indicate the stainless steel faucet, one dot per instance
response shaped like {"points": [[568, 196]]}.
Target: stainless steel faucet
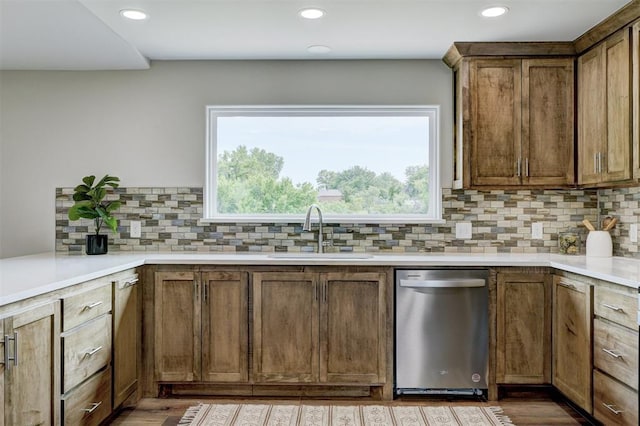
{"points": [[307, 225]]}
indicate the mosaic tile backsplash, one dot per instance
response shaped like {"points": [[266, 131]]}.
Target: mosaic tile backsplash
{"points": [[624, 204], [501, 223]]}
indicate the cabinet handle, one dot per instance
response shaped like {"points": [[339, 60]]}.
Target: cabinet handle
{"points": [[206, 293], [324, 293], [7, 357], [613, 308], [612, 409], [600, 156], [92, 305], [571, 286], [526, 167], [518, 164], [130, 283], [612, 353], [595, 163], [94, 407], [315, 291], [93, 351]]}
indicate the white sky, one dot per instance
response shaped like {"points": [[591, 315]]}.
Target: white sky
{"points": [[310, 144]]}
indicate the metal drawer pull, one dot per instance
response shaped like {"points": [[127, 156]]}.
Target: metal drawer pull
{"points": [[612, 353], [612, 409], [94, 407], [92, 352], [130, 283], [571, 286], [613, 308], [92, 305], [8, 358]]}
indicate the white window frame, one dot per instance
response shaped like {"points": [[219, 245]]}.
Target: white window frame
{"points": [[435, 191]]}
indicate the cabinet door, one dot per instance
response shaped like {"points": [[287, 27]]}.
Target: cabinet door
{"points": [[177, 326], [225, 327], [32, 378], [572, 360], [352, 328], [616, 159], [635, 48], [496, 121], [592, 98], [523, 329], [285, 327], [547, 122], [126, 335]]}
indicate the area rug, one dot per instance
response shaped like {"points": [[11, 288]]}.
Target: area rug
{"points": [[338, 415]]}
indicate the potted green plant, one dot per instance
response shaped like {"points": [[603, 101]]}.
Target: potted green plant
{"points": [[90, 204]]}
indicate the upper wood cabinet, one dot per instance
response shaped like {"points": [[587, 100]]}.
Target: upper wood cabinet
{"points": [[513, 121], [31, 376], [604, 112], [326, 327], [201, 326], [523, 333], [635, 44]]}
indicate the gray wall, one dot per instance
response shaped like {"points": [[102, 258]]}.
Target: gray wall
{"points": [[148, 127]]}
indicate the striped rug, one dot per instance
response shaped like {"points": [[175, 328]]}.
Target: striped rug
{"points": [[339, 415]]}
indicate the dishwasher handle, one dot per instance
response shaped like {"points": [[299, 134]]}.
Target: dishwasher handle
{"points": [[444, 283]]}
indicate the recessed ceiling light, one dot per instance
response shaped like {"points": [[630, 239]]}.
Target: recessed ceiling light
{"points": [[318, 48], [312, 13], [494, 11], [136, 15]]}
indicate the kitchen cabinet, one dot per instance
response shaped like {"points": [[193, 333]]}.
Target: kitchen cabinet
{"points": [[572, 325], [635, 43], [604, 112], [327, 327], [31, 374], [523, 349], [615, 355], [87, 346], [513, 121], [201, 322], [126, 337]]}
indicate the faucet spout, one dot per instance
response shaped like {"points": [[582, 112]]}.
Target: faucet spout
{"points": [[307, 225]]}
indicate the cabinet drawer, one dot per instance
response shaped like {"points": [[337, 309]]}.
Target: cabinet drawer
{"points": [[615, 306], [89, 404], [615, 351], [613, 402], [86, 351], [85, 306]]}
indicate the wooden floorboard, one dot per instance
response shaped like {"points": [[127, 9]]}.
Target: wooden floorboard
{"points": [[535, 411]]}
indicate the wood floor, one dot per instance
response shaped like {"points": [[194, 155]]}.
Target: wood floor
{"points": [[539, 410]]}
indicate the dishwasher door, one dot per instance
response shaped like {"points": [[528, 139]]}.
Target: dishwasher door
{"points": [[442, 331]]}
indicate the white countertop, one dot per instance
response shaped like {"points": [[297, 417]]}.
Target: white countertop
{"points": [[29, 276]]}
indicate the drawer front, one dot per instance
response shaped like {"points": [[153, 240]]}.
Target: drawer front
{"points": [[86, 351], [615, 351], [617, 307], [85, 306], [89, 404], [614, 403]]}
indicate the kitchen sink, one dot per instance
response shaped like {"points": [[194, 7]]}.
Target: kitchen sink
{"points": [[320, 256]]}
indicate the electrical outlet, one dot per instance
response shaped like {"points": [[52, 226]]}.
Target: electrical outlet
{"points": [[536, 230], [463, 230], [633, 232], [135, 229]]}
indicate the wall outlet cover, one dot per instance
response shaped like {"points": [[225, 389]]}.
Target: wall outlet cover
{"points": [[463, 230], [135, 229], [633, 232], [536, 230]]}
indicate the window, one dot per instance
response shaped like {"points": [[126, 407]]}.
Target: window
{"points": [[359, 164]]}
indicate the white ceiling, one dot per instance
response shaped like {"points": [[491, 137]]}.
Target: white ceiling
{"points": [[91, 34]]}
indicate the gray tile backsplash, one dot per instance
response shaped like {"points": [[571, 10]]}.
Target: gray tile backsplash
{"points": [[501, 223]]}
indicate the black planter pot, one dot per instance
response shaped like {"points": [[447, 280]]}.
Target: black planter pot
{"points": [[97, 244]]}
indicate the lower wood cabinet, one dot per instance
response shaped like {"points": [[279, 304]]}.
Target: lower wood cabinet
{"points": [[572, 325], [127, 320], [31, 377], [201, 326], [523, 332], [319, 327]]}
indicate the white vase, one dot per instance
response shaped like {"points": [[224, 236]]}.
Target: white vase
{"points": [[599, 244]]}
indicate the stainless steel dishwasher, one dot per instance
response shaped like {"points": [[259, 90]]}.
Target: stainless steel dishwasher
{"points": [[442, 329]]}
